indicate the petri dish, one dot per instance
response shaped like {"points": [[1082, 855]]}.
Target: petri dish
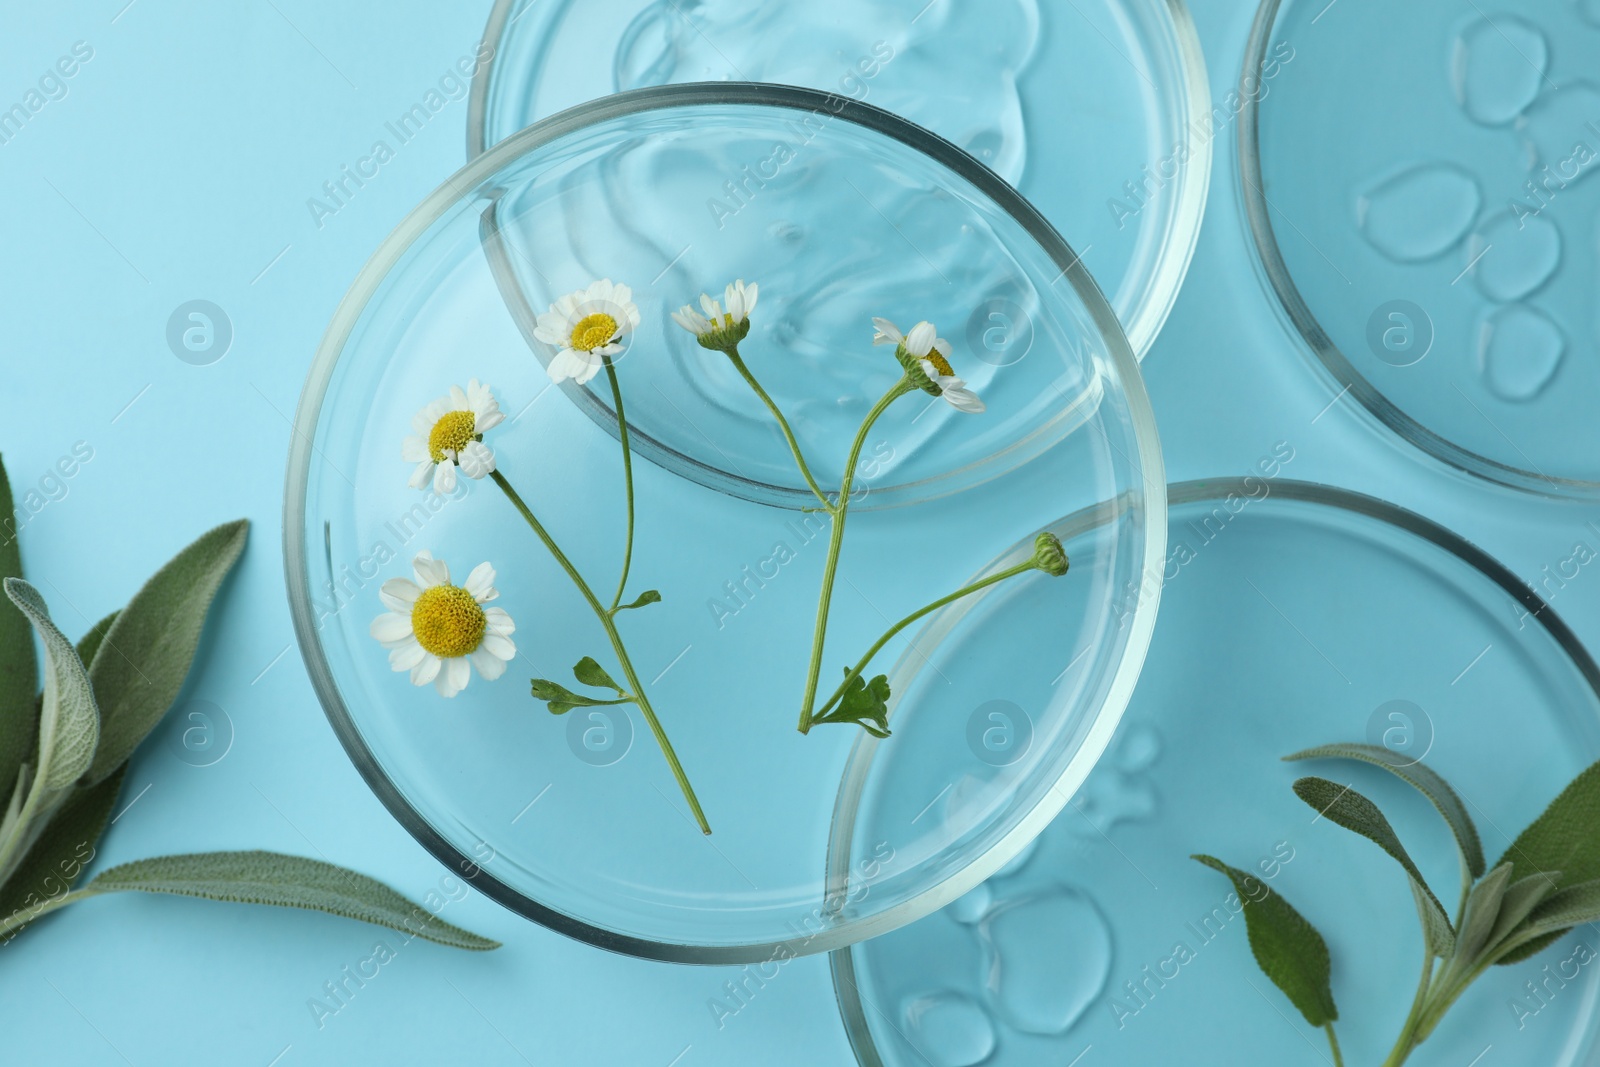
{"points": [[575, 821], [1444, 271], [1020, 85], [1294, 615]]}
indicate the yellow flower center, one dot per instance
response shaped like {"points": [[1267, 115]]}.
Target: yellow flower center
{"points": [[940, 364], [447, 621], [592, 331], [451, 433]]}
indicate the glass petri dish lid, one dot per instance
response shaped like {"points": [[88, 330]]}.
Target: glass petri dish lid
{"points": [[575, 821], [1346, 620], [1424, 207], [1022, 86]]}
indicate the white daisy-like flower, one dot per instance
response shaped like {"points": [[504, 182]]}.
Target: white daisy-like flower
{"points": [[718, 329], [449, 434], [439, 631], [586, 326], [926, 357]]}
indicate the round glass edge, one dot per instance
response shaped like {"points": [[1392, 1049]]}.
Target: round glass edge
{"points": [[1293, 311], [302, 448], [841, 963], [1177, 244]]}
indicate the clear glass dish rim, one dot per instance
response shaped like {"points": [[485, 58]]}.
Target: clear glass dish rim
{"points": [[1177, 245], [841, 962], [302, 449], [1297, 315]]}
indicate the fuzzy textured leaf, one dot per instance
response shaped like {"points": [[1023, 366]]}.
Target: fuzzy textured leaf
{"points": [[1287, 948], [19, 668], [590, 673], [69, 725], [1522, 896], [1484, 904], [1425, 781], [1566, 837], [65, 849], [289, 882], [1564, 909], [90, 642], [1356, 813], [146, 652]]}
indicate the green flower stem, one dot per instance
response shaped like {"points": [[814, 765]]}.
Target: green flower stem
{"points": [[1333, 1043], [836, 540], [783, 424], [1408, 1039], [627, 477], [607, 621], [856, 671]]}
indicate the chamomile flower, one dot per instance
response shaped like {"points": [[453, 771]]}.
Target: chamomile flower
{"points": [[586, 326], [925, 356], [718, 329], [449, 434], [439, 631]]}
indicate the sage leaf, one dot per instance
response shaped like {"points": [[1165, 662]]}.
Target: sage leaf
{"points": [[562, 700], [1483, 908], [1564, 909], [1566, 837], [1356, 813], [285, 881], [1287, 948], [863, 703], [90, 642], [1522, 896], [19, 669], [587, 671], [69, 725], [649, 596], [1425, 781], [149, 647], [65, 848]]}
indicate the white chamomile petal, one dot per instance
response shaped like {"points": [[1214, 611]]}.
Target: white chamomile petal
{"points": [[499, 621], [499, 645], [390, 627], [444, 478], [422, 475], [398, 594], [886, 332], [429, 571], [454, 677], [480, 583], [406, 656], [427, 669], [476, 459], [488, 664], [919, 342], [414, 449]]}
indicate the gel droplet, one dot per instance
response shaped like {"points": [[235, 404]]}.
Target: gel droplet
{"points": [[1519, 349], [950, 1029], [1498, 68], [1110, 798], [1557, 132], [1514, 259], [1420, 213], [972, 907], [1048, 956], [1139, 748], [1019, 861]]}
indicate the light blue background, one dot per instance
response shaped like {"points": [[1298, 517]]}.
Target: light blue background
{"points": [[178, 167]]}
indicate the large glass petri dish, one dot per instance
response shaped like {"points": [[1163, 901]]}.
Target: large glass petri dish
{"points": [[1022, 86], [1294, 615], [1424, 207], [575, 821]]}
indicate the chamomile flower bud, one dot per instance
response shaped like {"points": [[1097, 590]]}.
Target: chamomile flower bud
{"points": [[716, 328], [1049, 556]]}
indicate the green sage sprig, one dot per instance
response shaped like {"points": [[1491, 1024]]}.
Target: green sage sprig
{"points": [[64, 752], [1547, 882]]}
